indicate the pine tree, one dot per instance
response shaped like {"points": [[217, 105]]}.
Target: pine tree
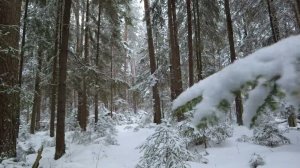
{"points": [[238, 99], [190, 42], [10, 12], [61, 104], [155, 91], [53, 98]]}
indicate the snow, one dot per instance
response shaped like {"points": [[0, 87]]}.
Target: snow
{"points": [[278, 60], [256, 99], [230, 154]]}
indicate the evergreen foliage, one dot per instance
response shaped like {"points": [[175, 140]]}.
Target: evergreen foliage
{"points": [[268, 134], [164, 148], [205, 134]]}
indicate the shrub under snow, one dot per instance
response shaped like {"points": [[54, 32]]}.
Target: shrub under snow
{"points": [[256, 160], [164, 148]]}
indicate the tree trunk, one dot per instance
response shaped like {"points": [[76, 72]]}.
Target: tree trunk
{"points": [[190, 42], [61, 105], [36, 108], [21, 61], [54, 70], [23, 42], [10, 12], [198, 40], [79, 47], [297, 11], [171, 45], [155, 91], [97, 61], [238, 99], [111, 81], [273, 21], [176, 54], [297, 16], [84, 112]]}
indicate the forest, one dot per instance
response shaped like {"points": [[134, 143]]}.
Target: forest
{"points": [[149, 83]]}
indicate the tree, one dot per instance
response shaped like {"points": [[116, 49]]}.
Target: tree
{"points": [[273, 21], [155, 91], [84, 107], [238, 98], [175, 70], [190, 42], [198, 41], [36, 108], [61, 104], [53, 97], [96, 99], [10, 12]]}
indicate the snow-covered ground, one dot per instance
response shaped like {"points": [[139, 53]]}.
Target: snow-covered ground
{"points": [[234, 154], [229, 154]]}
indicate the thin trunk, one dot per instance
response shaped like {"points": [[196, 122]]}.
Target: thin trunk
{"points": [[125, 59], [238, 98], [297, 11], [84, 112], [176, 54], [198, 37], [297, 16], [97, 61], [54, 71], [155, 91], [190, 42], [171, 52], [10, 12], [273, 21], [23, 42], [61, 105], [21, 61], [111, 83], [36, 108], [79, 49]]}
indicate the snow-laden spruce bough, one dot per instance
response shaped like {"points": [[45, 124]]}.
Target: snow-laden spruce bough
{"points": [[274, 67]]}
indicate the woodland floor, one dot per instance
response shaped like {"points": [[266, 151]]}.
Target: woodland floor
{"points": [[124, 154]]}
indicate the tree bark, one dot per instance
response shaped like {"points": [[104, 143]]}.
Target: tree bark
{"points": [[198, 40], [54, 70], [273, 21], [111, 81], [21, 61], [36, 108], [97, 61], [190, 42], [61, 105], [176, 54], [10, 12], [82, 94], [84, 112], [175, 75], [297, 11], [238, 99], [23, 42], [171, 45], [155, 91]]}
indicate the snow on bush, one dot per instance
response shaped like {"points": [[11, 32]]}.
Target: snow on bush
{"points": [[278, 64], [256, 160], [164, 148], [81, 137], [268, 134], [211, 133]]}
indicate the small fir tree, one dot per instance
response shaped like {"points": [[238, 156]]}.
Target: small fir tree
{"points": [[164, 148]]}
